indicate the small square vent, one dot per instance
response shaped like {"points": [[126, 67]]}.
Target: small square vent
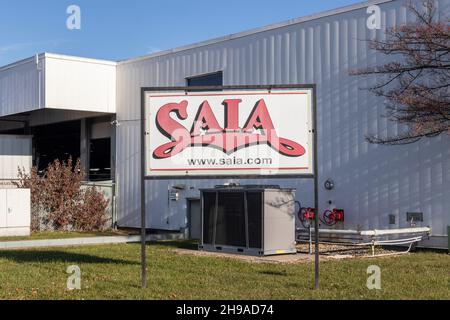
{"points": [[414, 216], [392, 219]]}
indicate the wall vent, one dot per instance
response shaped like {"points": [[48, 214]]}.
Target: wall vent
{"points": [[392, 219], [414, 216]]}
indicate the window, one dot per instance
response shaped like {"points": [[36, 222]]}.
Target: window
{"points": [[210, 80], [100, 159]]}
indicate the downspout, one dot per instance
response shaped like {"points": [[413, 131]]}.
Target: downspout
{"points": [[39, 70]]}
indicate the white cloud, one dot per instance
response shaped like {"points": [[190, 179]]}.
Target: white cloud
{"points": [[13, 47], [26, 46]]}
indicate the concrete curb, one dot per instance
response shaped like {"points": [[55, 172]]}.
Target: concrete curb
{"points": [[28, 244]]}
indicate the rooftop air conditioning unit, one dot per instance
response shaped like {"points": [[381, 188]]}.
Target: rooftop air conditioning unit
{"points": [[252, 220]]}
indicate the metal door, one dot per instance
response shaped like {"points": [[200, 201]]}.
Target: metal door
{"points": [[195, 224]]}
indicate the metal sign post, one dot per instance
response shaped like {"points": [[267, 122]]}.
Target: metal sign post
{"points": [[162, 97], [316, 194], [142, 192]]}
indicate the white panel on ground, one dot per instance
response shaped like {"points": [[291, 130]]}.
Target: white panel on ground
{"points": [[3, 209], [18, 208]]}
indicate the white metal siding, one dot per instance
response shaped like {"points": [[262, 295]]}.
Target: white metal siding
{"points": [[15, 152], [371, 181], [19, 89], [80, 85], [64, 82]]}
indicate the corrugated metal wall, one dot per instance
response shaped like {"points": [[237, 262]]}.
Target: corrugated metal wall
{"points": [[63, 83], [371, 181], [19, 88]]}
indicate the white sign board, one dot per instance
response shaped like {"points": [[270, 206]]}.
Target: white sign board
{"points": [[227, 133]]}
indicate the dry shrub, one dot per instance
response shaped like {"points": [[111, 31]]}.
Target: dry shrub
{"points": [[59, 202], [92, 217]]}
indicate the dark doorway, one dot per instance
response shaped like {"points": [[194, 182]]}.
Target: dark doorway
{"points": [[56, 141], [100, 159], [194, 217]]}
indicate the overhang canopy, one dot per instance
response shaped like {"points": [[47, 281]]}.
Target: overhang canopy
{"points": [[50, 81]]}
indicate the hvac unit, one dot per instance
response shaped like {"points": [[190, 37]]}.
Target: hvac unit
{"points": [[253, 220]]}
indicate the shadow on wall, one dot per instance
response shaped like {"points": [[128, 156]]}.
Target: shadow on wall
{"points": [[11, 145], [372, 181]]}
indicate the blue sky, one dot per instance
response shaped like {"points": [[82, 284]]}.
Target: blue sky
{"points": [[117, 29]]}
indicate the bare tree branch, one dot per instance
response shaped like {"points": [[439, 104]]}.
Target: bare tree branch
{"points": [[416, 83]]}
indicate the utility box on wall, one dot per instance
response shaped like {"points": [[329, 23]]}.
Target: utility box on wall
{"points": [[253, 220], [15, 212]]}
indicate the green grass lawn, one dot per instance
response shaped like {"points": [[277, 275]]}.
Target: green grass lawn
{"points": [[112, 272]]}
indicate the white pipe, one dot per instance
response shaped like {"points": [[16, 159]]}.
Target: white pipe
{"points": [[395, 231], [366, 244], [39, 69], [391, 254], [375, 232], [333, 231], [400, 240]]}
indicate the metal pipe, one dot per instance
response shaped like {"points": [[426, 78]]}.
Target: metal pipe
{"points": [[142, 193], [365, 244], [410, 242], [395, 231], [310, 240], [39, 69], [316, 190], [376, 232]]}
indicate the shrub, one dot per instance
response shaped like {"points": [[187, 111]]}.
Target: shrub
{"points": [[58, 201], [92, 217]]}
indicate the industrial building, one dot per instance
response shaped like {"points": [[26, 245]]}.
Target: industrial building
{"points": [[90, 109]]}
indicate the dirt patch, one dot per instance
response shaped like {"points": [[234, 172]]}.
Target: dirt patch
{"points": [[287, 258], [327, 252], [346, 251]]}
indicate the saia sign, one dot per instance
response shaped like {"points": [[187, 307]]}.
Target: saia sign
{"points": [[250, 132]]}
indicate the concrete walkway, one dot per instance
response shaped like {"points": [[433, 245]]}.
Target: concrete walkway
{"points": [[28, 244]]}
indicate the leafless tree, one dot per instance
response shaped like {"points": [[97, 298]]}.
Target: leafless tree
{"points": [[416, 83]]}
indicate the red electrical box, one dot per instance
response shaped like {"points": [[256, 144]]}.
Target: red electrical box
{"points": [[331, 217], [338, 215], [308, 213]]}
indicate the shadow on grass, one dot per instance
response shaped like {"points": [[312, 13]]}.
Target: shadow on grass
{"points": [[274, 273], [58, 256], [180, 244]]}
